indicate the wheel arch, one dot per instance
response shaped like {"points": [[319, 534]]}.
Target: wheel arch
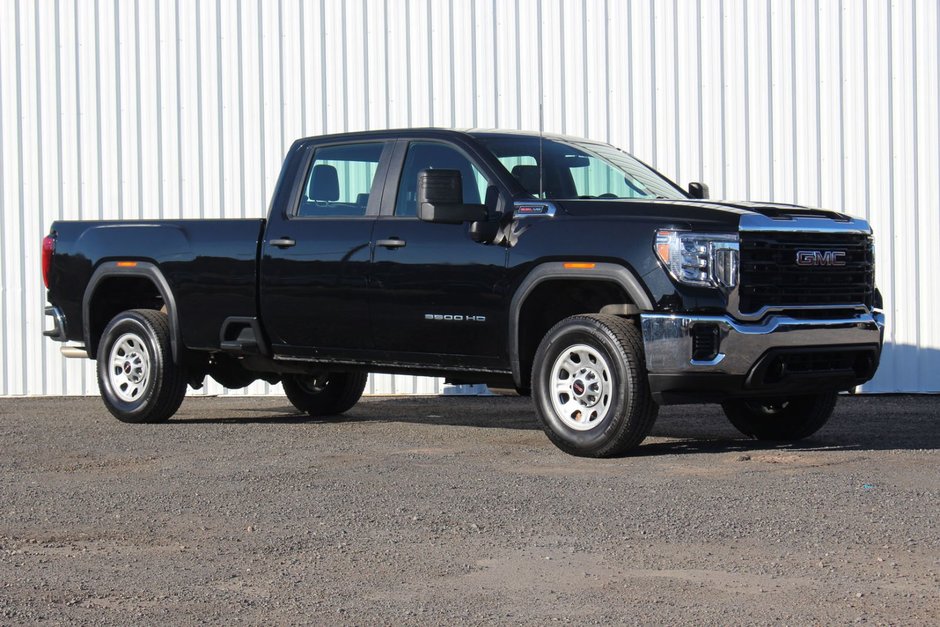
{"points": [[604, 280], [147, 282]]}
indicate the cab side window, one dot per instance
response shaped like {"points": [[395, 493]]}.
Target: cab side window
{"points": [[340, 180], [431, 155]]}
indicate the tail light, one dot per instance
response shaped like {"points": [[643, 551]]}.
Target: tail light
{"points": [[48, 248]]}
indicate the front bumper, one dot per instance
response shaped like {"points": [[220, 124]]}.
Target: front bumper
{"points": [[777, 355]]}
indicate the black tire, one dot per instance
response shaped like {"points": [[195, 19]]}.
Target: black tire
{"points": [[151, 387], [329, 395], [620, 418], [782, 419]]}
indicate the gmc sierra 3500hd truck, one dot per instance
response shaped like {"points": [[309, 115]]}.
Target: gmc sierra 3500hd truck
{"points": [[562, 267]]}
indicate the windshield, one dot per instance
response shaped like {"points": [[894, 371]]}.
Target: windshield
{"points": [[577, 169]]}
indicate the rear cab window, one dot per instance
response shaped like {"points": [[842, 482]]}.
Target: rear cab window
{"points": [[340, 180]]}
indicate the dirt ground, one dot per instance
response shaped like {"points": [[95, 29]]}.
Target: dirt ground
{"points": [[445, 510]]}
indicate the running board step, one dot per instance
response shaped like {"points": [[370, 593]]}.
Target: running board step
{"points": [[242, 336]]}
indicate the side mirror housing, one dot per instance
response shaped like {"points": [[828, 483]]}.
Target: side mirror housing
{"points": [[484, 232], [440, 199], [698, 190]]}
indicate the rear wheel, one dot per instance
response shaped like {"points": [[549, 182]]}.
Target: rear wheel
{"points": [[792, 418], [328, 394], [590, 386], [136, 375]]}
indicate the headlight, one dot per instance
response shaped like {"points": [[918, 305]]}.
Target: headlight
{"points": [[701, 259]]}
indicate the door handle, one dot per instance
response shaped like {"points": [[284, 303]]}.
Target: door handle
{"points": [[391, 243], [284, 242]]}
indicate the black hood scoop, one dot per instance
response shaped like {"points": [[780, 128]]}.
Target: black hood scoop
{"points": [[782, 211]]}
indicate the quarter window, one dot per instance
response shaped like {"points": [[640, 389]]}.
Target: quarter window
{"points": [[340, 180]]}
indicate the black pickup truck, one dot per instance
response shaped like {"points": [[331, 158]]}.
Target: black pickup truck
{"points": [[561, 267]]}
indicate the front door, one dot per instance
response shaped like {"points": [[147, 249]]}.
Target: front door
{"points": [[437, 292]]}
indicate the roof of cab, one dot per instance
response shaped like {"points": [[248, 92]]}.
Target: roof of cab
{"points": [[441, 133]]}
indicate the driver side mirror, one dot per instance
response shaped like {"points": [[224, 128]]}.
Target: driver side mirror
{"points": [[698, 190], [440, 199]]}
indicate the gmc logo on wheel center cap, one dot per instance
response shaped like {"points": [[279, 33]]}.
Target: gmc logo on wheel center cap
{"points": [[820, 258]]}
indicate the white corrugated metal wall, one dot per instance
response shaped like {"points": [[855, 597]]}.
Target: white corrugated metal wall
{"points": [[171, 108]]}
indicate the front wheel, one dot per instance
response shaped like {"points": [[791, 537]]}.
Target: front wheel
{"points": [[328, 394], [136, 375], [792, 418], [590, 386]]}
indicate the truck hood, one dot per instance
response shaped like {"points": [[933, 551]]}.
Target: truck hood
{"points": [[708, 214]]}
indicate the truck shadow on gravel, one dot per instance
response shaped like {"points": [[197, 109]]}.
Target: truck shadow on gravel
{"points": [[884, 422], [860, 423]]}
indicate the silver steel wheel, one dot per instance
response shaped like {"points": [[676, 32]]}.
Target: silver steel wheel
{"points": [[581, 387], [314, 384], [129, 367]]}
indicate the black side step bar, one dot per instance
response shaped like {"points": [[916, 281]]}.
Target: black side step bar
{"points": [[243, 336]]}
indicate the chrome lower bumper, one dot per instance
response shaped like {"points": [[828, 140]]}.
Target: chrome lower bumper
{"points": [[58, 330], [668, 339]]}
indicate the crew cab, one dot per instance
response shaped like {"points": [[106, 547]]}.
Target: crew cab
{"points": [[561, 267]]}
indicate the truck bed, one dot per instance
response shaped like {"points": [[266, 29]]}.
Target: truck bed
{"points": [[210, 265]]}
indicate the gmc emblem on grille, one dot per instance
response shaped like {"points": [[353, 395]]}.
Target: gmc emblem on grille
{"points": [[820, 257]]}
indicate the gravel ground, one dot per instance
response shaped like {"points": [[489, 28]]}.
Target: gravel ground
{"points": [[444, 510]]}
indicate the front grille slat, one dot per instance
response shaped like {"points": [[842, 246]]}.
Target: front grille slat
{"points": [[771, 277]]}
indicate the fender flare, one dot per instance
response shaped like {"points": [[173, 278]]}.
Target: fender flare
{"points": [[144, 269], [556, 270]]}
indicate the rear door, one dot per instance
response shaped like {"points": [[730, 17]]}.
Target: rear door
{"points": [[316, 254], [437, 292]]}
